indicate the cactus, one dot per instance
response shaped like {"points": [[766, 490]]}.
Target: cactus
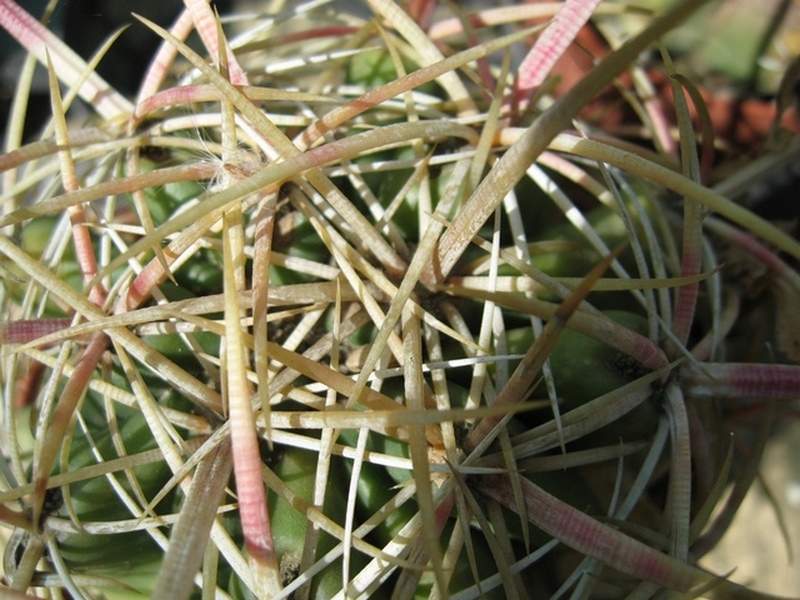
{"points": [[353, 304]]}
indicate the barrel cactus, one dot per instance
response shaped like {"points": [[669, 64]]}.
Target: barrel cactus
{"points": [[362, 301]]}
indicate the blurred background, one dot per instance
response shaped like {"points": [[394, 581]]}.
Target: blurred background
{"points": [[85, 25]]}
